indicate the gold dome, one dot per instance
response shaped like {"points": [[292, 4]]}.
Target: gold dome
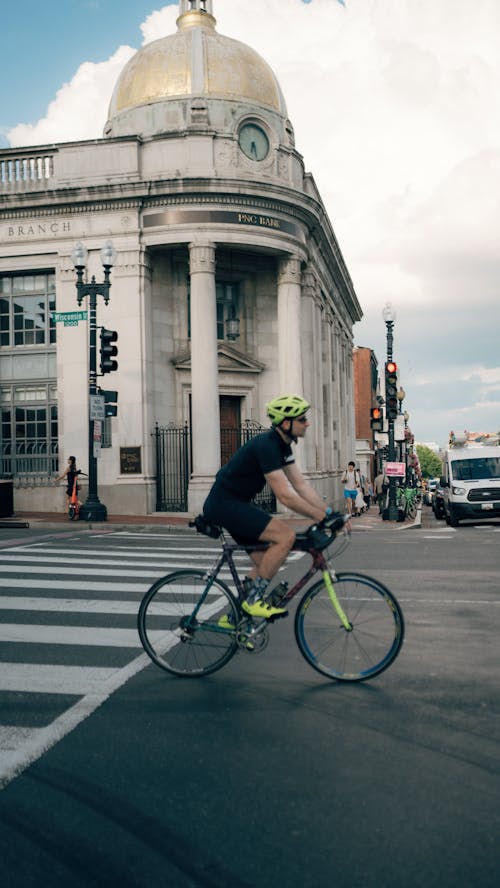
{"points": [[196, 61]]}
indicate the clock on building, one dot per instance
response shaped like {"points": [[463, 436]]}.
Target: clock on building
{"points": [[253, 141]]}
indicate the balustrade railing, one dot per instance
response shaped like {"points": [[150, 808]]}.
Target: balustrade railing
{"points": [[24, 170]]}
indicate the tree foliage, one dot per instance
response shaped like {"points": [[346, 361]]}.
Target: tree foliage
{"points": [[430, 464]]}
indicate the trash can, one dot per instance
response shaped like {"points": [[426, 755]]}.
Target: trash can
{"points": [[6, 496]]}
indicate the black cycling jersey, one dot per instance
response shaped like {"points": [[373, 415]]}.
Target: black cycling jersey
{"points": [[243, 476]]}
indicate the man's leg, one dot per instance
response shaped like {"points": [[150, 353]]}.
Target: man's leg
{"points": [[282, 538]]}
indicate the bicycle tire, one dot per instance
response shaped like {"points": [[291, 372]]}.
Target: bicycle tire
{"points": [[168, 640], [377, 628], [412, 510]]}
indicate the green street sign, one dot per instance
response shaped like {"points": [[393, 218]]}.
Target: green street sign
{"points": [[69, 318]]}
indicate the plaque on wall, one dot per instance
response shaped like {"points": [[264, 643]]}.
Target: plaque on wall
{"points": [[130, 461]]}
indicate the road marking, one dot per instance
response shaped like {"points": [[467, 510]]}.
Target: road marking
{"points": [[78, 585], [74, 635], [36, 678], [36, 743], [69, 605]]}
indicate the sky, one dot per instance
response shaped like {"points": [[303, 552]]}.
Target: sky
{"points": [[396, 110]]}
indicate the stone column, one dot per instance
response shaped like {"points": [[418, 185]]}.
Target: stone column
{"points": [[204, 373], [289, 327]]}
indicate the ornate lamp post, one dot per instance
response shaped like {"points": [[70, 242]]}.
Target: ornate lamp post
{"points": [[389, 316], [93, 509]]}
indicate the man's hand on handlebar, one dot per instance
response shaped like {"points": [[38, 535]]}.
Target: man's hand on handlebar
{"points": [[330, 525], [335, 521]]}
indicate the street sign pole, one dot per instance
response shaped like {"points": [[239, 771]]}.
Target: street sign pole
{"points": [[92, 509]]}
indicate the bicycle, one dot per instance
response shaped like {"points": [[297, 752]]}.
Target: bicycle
{"points": [[406, 499], [348, 626]]}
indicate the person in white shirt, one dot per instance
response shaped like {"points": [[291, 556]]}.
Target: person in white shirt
{"points": [[352, 483]]}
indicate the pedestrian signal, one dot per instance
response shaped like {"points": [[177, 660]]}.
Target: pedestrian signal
{"points": [[108, 350], [110, 403], [377, 419]]}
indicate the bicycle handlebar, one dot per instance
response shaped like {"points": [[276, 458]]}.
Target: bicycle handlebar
{"points": [[322, 533]]}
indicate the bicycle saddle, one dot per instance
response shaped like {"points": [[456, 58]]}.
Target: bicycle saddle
{"points": [[203, 526]]}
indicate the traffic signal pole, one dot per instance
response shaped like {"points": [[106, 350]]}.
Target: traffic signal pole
{"points": [[92, 509], [392, 506]]}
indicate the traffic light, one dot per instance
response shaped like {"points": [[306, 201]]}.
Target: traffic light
{"points": [[108, 351], [110, 402], [391, 388], [377, 419]]}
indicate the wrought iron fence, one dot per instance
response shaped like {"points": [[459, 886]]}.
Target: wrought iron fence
{"points": [[174, 461], [29, 464], [173, 464]]}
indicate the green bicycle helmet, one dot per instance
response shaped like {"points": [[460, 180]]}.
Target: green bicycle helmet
{"points": [[286, 407]]}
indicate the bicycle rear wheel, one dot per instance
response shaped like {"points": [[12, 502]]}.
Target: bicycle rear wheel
{"points": [[172, 638], [375, 638]]}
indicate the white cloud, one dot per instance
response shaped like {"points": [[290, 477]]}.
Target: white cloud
{"points": [[79, 110], [396, 109]]}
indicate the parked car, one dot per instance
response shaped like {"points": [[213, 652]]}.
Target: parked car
{"points": [[438, 502], [431, 485]]}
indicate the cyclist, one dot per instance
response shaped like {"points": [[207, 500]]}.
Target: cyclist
{"points": [[266, 457]]}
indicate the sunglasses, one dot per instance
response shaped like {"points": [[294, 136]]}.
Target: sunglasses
{"points": [[302, 419]]}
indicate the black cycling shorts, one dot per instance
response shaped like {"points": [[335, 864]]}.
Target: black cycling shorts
{"points": [[244, 521]]}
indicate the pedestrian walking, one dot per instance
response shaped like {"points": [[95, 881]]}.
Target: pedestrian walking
{"points": [[351, 479], [381, 486]]}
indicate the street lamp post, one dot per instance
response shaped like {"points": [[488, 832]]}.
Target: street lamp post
{"points": [[389, 316], [93, 509]]}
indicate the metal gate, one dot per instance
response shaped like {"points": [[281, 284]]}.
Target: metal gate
{"points": [[173, 467], [174, 460]]}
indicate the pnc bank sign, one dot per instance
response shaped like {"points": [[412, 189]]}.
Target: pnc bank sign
{"points": [[227, 217]]}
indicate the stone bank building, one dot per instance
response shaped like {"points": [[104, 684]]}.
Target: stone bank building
{"points": [[228, 287]]}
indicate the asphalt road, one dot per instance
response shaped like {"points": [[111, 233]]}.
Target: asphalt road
{"points": [[264, 774]]}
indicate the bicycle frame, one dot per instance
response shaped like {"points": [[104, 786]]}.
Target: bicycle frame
{"points": [[318, 564]]}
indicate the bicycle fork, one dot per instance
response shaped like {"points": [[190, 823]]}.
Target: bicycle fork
{"points": [[328, 581]]}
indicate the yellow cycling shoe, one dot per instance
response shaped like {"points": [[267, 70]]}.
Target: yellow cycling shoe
{"points": [[263, 609], [225, 622]]}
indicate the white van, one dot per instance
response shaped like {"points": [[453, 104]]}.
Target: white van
{"points": [[471, 483]]}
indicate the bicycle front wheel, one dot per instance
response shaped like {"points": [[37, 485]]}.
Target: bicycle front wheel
{"points": [[178, 641], [376, 628]]}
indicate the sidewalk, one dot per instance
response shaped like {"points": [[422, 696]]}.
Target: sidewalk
{"points": [[175, 521]]}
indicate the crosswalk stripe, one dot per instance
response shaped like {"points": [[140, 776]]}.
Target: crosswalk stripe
{"points": [[31, 582], [120, 552], [81, 585], [37, 678], [68, 605], [74, 635], [89, 571], [160, 562]]}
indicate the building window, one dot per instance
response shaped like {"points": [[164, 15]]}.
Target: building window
{"points": [[28, 429], [227, 305], [227, 297], [26, 304]]}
